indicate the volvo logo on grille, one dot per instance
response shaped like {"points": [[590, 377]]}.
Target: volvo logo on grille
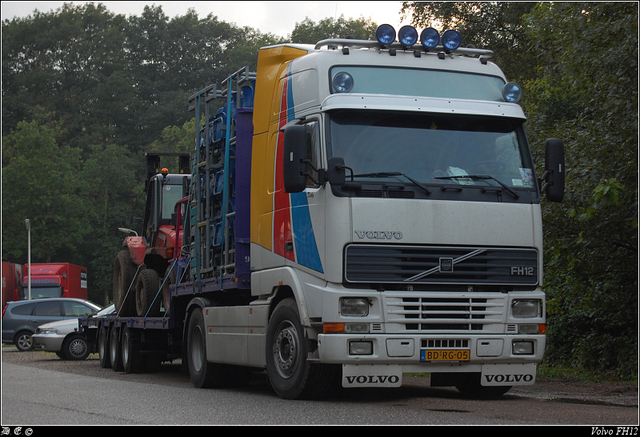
{"points": [[446, 265], [379, 235]]}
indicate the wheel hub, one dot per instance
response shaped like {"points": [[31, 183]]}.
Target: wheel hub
{"points": [[285, 351]]}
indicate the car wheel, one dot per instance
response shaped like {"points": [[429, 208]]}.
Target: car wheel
{"points": [[23, 342], [75, 348]]}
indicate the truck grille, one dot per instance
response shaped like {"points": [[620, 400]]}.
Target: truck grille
{"points": [[439, 313], [419, 265]]}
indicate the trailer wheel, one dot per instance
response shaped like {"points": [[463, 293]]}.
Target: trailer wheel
{"points": [[203, 373], [114, 350], [103, 348], [123, 272], [146, 290], [291, 375], [130, 351]]}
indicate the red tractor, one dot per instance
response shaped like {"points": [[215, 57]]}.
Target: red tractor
{"points": [[145, 261]]}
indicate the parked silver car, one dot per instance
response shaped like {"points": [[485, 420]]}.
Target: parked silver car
{"points": [[21, 318], [63, 338]]}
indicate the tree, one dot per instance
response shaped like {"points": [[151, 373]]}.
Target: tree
{"points": [[40, 183], [497, 26], [110, 191], [585, 90], [308, 32]]}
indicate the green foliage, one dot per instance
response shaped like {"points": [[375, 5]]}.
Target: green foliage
{"points": [[308, 32], [578, 64]]}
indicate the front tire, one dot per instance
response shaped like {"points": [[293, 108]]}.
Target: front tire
{"points": [[291, 375], [75, 348]]}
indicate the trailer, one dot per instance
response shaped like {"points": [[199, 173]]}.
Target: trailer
{"points": [[355, 210]]}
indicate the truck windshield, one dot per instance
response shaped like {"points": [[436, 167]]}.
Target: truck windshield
{"points": [[42, 292], [432, 148]]}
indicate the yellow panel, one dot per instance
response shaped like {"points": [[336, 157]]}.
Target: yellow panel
{"points": [[271, 64], [270, 61]]}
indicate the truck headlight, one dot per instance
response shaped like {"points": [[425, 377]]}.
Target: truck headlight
{"points": [[525, 308], [354, 306]]}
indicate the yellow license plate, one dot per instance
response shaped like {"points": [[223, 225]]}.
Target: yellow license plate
{"points": [[444, 355]]}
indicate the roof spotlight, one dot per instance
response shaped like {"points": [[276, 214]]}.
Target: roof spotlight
{"points": [[451, 39], [385, 34], [408, 36], [512, 92], [429, 38]]}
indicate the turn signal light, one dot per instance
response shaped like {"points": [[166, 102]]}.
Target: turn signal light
{"points": [[333, 328]]}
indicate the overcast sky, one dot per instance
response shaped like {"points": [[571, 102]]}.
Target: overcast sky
{"points": [[275, 17]]}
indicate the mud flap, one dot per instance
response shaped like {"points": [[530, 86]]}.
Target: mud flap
{"points": [[371, 375], [508, 374]]}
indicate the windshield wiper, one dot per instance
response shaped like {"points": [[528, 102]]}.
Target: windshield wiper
{"points": [[481, 176], [389, 174]]}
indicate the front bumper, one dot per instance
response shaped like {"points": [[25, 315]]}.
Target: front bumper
{"points": [[48, 342], [431, 353]]}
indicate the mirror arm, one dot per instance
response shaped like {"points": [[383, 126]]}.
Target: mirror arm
{"points": [[322, 176]]}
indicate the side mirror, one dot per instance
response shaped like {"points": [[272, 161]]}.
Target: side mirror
{"points": [[294, 166], [554, 170], [336, 174]]}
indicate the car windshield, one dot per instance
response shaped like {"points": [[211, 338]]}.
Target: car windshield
{"points": [[432, 148]]}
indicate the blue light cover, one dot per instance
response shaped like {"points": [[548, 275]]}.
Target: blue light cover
{"points": [[429, 38], [342, 82], [512, 92], [408, 36], [385, 34], [451, 39]]}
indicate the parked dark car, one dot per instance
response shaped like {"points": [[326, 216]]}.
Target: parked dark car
{"points": [[21, 318]]}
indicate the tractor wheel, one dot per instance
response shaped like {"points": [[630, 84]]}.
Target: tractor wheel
{"points": [[147, 301], [123, 272]]}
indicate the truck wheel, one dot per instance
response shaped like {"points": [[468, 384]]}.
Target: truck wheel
{"points": [[75, 348], [290, 373], [203, 373], [469, 385], [114, 350], [146, 289], [23, 342], [103, 348], [130, 351], [123, 272]]}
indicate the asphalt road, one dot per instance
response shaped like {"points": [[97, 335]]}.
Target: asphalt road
{"points": [[40, 389]]}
